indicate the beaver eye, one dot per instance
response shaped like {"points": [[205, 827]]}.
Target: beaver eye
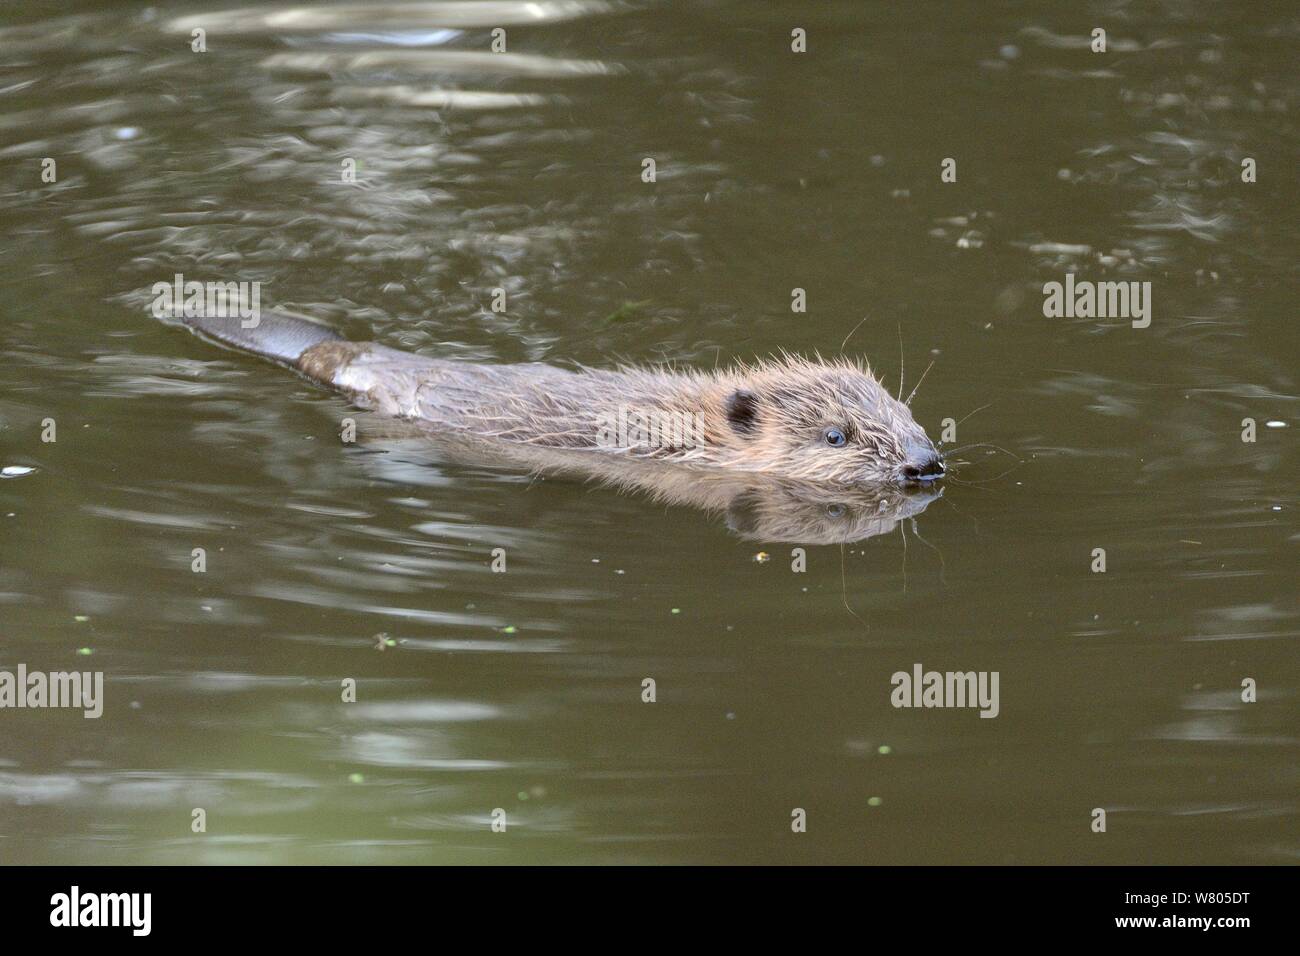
{"points": [[834, 511], [834, 437]]}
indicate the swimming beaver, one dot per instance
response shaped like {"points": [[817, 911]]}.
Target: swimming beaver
{"points": [[824, 423]]}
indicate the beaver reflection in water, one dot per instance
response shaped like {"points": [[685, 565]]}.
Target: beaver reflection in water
{"points": [[784, 435], [754, 507]]}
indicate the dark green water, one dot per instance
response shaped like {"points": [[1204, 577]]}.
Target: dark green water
{"points": [[523, 691]]}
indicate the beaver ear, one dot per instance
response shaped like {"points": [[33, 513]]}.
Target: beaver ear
{"points": [[742, 410]]}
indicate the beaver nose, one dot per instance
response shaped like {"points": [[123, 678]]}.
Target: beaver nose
{"points": [[928, 468]]}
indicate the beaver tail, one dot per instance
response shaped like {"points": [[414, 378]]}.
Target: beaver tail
{"points": [[279, 337]]}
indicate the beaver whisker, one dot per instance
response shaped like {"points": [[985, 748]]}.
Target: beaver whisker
{"points": [[844, 590], [851, 331], [974, 484], [942, 565], [989, 481], [969, 414], [918, 384], [900, 361], [903, 533], [984, 444]]}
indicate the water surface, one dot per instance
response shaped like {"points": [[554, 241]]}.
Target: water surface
{"points": [[522, 691]]}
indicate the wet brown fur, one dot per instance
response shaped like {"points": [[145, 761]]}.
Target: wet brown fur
{"points": [[768, 418]]}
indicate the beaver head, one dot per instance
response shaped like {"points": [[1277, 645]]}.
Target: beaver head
{"points": [[823, 422]]}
